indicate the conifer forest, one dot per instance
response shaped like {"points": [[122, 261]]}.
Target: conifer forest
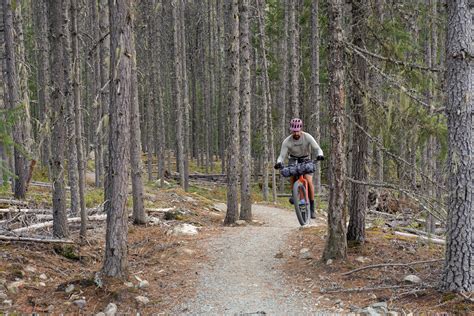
{"points": [[224, 157]]}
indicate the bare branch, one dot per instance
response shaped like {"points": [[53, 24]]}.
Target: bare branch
{"points": [[362, 289], [393, 61], [381, 265], [408, 92], [417, 197], [40, 240], [396, 157]]}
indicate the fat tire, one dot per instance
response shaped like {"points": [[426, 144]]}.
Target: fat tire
{"points": [[303, 217]]}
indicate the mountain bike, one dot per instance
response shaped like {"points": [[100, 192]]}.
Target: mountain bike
{"points": [[300, 188]]}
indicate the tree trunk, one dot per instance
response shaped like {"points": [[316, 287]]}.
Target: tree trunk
{"points": [[23, 76], [158, 127], [42, 46], [458, 271], [430, 61], [360, 141], [78, 118], [222, 95], [211, 86], [294, 60], [121, 38], [245, 147], [285, 105], [185, 99], [20, 130], [58, 26], [72, 164], [104, 51], [267, 101], [178, 87], [379, 159], [3, 104], [151, 103], [139, 216], [96, 94], [336, 244], [315, 97], [263, 120], [233, 146]]}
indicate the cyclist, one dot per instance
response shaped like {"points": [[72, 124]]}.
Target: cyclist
{"points": [[298, 146]]}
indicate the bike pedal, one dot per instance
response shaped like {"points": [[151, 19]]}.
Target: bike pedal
{"points": [[291, 200]]}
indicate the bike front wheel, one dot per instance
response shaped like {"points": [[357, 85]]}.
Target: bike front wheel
{"points": [[301, 203]]}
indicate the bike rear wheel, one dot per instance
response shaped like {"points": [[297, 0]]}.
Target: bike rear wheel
{"points": [[301, 204]]}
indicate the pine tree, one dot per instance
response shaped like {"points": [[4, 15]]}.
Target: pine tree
{"points": [[336, 244], [121, 58], [234, 94]]}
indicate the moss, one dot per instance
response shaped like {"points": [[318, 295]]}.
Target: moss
{"points": [[218, 192], [462, 308], [448, 297], [40, 174], [194, 168], [378, 222], [354, 244], [17, 273], [67, 251], [94, 197], [174, 215]]}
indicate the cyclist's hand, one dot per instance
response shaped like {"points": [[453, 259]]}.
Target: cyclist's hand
{"points": [[278, 165], [320, 158]]}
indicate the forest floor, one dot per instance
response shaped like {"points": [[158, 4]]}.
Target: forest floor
{"points": [[269, 266]]}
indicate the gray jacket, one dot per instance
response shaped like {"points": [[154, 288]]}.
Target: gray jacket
{"points": [[299, 148]]}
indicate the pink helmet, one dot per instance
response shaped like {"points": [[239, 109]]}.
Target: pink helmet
{"points": [[296, 125]]}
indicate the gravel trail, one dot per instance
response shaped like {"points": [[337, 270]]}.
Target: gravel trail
{"points": [[242, 275]]}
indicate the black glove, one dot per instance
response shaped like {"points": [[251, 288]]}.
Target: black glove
{"points": [[319, 158], [278, 165]]}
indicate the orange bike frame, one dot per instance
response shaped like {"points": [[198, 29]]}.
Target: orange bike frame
{"points": [[303, 180]]}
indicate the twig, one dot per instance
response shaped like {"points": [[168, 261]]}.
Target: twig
{"points": [[361, 289], [394, 156], [393, 61], [391, 265], [27, 239], [384, 214], [411, 292], [440, 217], [408, 92], [466, 297]]}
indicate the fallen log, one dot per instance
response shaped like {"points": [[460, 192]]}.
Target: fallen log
{"points": [[13, 202], [420, 232], [45, 185], [433, 240], [159, 210], [50, 224], [383, 213], [44, 217], [423, 221], [24, 210], [27, 239]]}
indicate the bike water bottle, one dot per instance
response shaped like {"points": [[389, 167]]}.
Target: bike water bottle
{"points": [[302, 202]]}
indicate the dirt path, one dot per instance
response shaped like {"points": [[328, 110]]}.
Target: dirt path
{"points": [[242, 275]]}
